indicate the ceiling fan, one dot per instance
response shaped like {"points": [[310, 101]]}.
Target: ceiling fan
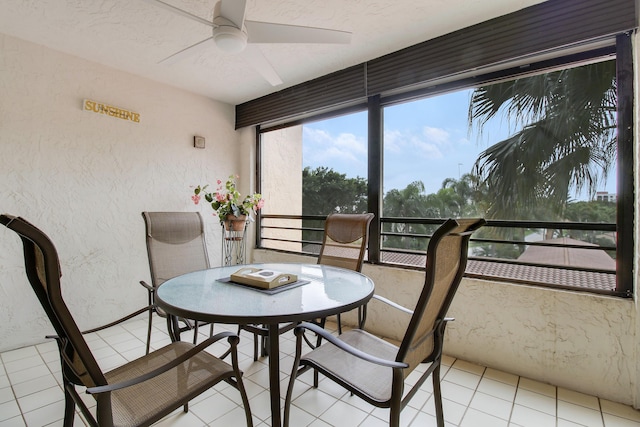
{"points": [[234, 34]]}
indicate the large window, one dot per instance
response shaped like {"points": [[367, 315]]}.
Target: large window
{"points": [[539, 148], [312, 170], [536, 153]]}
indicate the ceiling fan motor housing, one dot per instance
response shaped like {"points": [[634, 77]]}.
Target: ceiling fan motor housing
{"points": [[228, 37]]}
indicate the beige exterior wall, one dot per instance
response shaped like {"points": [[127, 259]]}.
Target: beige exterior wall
{"points": [[282, 185], [85, 178]]}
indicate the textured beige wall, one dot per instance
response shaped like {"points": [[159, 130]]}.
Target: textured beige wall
{"points": [[579, 341], [282, 185], [85, 178]]}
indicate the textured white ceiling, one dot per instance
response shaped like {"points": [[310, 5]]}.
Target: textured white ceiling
{"points": [[134, 35]]}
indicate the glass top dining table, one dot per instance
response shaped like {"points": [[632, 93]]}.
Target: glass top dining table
{"points": [[209, 296]]}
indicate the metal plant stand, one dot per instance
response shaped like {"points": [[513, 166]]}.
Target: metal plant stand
{"points": [[233, 243]]}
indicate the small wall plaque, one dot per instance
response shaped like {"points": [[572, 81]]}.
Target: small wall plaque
{"points": [[198, 141], [110, 110]]}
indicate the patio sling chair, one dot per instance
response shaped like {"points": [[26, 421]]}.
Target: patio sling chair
{"points": [[344, 245], [374, 369], [175, 246], [139, 392]]}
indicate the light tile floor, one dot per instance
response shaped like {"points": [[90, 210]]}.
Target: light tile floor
{"points": [[474, 396]]}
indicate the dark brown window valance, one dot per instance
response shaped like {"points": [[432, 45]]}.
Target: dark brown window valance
{"points": [[545, 27]]}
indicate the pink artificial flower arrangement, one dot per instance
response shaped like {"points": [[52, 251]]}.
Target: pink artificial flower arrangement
{"points": [[226, 200]]}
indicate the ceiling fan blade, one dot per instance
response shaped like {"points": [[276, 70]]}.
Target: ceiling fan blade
{"points": [[181, 12], [266, 32], [254, 56], [234, 11], [187, 51]]}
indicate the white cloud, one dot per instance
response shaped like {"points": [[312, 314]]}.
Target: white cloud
{"points": [[316, 136], [436, 135], [427, 149], [350, 142], [393, 141], [426, 145], [321, 146]]}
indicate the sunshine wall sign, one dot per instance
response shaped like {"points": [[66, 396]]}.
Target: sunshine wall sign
{"points": [[110, 110]]}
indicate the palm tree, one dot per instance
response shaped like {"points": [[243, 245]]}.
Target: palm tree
{"points": [[409, 202], [406, 203], [472, 194], [565, 138]]}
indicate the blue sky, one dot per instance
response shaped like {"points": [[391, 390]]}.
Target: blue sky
{"points": [[426, 140]]}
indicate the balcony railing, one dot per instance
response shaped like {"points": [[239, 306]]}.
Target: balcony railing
{"points": [[567, 255]]}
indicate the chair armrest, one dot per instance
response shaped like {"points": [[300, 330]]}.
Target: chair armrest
{"points": [[148, 286], [392, 304], [299, 330], [123, 319], [233, 339]]}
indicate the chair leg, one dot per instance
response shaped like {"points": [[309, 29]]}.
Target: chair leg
{"points": [[437, 395], [394, 417], [239, 383], [292, 379], [149, 330], [255, 347], [362, 316], [318, 342], [339, 325], [321, 324], [69, 409], [264, 344], [195, 333], [395, 403]]}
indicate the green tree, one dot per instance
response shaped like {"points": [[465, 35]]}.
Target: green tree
{"points": [[593, 211], [407, 203], [326, 191], [471, 194], [456, 198], [565, 139]]}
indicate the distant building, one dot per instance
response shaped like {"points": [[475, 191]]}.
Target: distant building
{"points": [[605, 196]]}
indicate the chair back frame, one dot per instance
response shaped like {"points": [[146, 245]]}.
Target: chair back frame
{"points": [[445, 266], [345, 240], [175, 244], [43, 272], [358, 360]]}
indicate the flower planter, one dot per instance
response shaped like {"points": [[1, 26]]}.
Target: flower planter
{"points": [[235, 223]]}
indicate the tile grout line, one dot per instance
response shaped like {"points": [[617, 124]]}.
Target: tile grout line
{"points": [[513, 403], [475, 390]]}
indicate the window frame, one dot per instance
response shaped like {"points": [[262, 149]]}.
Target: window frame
{"points": [[623, 54]]}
